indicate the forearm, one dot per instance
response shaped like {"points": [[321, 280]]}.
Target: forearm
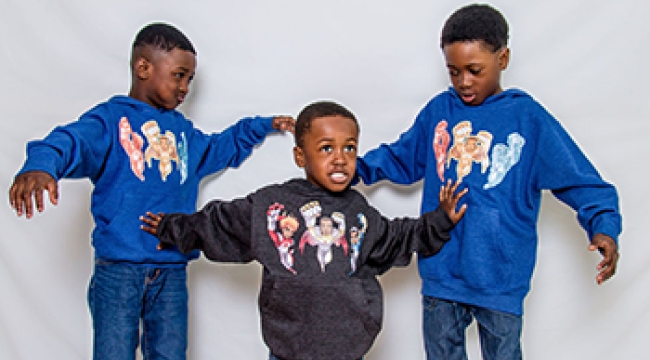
{"points": [[186, 232], [220, 229], [75, 150], [435, 232]]}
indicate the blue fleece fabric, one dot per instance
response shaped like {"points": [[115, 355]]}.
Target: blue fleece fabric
{"points": [[140, 159], [506, 151]]}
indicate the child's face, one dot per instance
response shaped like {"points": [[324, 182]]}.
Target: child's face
{"points": [[329, 152], [474, 70], [165, 77]]}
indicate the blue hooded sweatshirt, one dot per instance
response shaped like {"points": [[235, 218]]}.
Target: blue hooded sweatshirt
{"points": [[140, 159], [506, 151]]}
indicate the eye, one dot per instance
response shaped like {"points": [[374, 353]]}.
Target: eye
{"points": [[475, 71], [350, 148], [453, 72], [326, 148]]}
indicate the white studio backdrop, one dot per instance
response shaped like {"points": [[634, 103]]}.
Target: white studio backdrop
{"points": [[584, 60]]}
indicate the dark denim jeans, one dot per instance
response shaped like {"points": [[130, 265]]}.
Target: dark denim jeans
{"points": [[445, 323], [122, 296]]}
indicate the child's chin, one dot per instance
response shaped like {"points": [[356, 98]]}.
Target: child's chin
{"points": [[338, 187]]}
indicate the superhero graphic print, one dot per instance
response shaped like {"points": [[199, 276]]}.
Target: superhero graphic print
{"points": [[160, 146], [468, 149], [132, 143], [322, 231], [281, 227]]}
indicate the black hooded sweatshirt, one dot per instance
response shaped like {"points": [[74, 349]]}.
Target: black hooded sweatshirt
{"points": [[321, 253]]}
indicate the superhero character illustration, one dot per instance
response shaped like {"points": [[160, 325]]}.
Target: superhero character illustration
{"points": [[468, 149], [183, 157], [162, 147], [441, 139], [323, 235], [356, 239], [281, 228], [132, 143], [504, 157]]}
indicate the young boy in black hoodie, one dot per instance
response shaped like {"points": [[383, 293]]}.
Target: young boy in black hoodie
{"points": [[320, 243]]}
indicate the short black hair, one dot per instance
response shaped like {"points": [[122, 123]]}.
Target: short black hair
{"points": [[164, 37], [476, 22], [317, 110]]}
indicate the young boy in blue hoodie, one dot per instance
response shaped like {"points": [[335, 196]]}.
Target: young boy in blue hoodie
{"points": [[506, 148], [140, 153]]}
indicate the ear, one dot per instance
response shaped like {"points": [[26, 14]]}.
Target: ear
{"points": [[299, 157], [142, 68], [504, 58]]}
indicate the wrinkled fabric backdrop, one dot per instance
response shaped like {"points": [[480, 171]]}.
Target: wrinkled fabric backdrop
{"points": [[584, 60]]}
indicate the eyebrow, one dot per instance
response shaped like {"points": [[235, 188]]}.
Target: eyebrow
{"points": [[329, 139]]}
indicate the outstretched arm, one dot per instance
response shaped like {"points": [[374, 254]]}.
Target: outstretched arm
{"points": [[221, 229], [608, 248], [31, 185]]}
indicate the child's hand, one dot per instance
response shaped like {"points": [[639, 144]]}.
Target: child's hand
{"points": [[32, 184], [607, 247], [152, 221], [284, 123], [449, 201]]}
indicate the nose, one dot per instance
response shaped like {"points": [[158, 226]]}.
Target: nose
{"points": [[184, 87], [339, 157], [465, 80]]}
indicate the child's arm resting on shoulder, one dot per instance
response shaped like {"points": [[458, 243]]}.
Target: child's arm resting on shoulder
{"points": [[32, 184], [284, 123]]}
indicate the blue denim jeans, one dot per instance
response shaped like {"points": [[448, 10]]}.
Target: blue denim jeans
{"points": [[124, 297], [273, 357], [445, 323]]}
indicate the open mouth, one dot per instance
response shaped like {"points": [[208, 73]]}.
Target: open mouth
{"points": [[339, 177], [468, 98]]}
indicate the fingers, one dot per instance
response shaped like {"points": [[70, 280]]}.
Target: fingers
{"points": [[15, 200], [607, 269], [53, 192], [21, 198], [609, 250], [27, 192], [448, 191], [461, 211], [152, 221], [449, 197], [38, 199], [445, 191], [284, 123]]}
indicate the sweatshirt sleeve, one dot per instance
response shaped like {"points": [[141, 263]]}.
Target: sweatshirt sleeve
{"points": [[400, 238], [75, 150], [402, 162], [221, 229], [230, 147], [566, 171]]}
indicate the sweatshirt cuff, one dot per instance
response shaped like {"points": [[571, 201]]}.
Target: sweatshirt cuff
{"points": [[40, 162], [446, 224], [265, 123]]}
